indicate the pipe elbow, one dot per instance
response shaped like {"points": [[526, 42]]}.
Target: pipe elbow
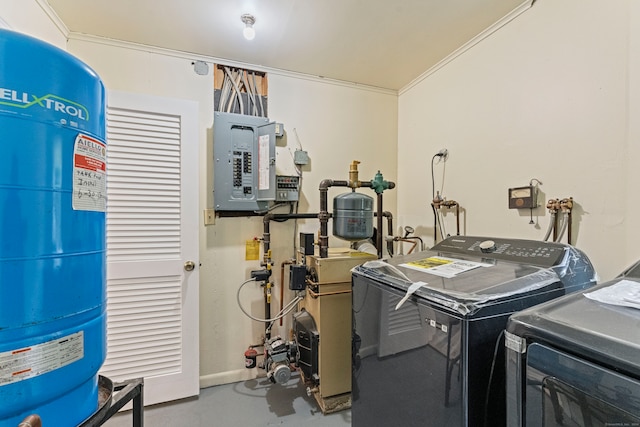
{"points": [[325, 184]]}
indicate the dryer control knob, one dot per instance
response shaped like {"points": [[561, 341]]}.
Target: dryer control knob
{"points": [[487, 246]]}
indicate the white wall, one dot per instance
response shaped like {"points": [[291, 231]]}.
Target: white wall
{"points": [[545, 97], [28, 17], [633, 138], [336, 123]]}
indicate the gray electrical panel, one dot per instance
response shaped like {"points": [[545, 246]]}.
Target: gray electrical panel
{"points": [[244, 152]]}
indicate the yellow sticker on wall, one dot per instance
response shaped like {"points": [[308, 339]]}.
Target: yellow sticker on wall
{"points": [[252, 250]]}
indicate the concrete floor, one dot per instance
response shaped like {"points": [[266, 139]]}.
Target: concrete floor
{"points": [[250, 403]]}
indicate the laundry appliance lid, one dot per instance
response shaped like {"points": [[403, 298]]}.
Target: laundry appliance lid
{"points": [[603, 333], [459, 275]]}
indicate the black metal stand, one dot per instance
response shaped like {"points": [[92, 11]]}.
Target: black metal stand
{"points": [[113, 397]]}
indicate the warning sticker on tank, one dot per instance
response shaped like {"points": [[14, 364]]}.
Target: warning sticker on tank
{"points": [[89, 174], [24, 363]]}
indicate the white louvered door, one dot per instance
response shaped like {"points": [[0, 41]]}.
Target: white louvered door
{"points": [[152, 231]]}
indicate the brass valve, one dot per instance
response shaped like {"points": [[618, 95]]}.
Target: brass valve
{"points": [[553, 205], [437, 201], [353, 174], [566, 204]]}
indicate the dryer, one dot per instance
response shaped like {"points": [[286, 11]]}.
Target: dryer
{"points": [[575, 361]]}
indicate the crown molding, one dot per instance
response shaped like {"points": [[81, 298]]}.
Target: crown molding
{"points": [[53, 16], [214, 60], [474, 41]]}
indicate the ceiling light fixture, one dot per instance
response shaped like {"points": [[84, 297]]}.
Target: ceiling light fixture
{"points": [[248, 32]]}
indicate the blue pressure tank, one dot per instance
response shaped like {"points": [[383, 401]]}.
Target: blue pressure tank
{"points": [[52, 233]]}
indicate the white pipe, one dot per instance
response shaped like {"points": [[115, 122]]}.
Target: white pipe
{"points": [[255, 85], [236, 90], [552, 221], [224, 92], [250, 96], [443, 228]]}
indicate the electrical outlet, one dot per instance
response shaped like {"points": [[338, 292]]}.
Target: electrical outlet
{"points": [[209, 216]]}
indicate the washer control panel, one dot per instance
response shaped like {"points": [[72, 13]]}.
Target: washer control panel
{"points": [[544, 254]]}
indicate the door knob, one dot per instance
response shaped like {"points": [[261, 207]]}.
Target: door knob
{"points": [[189, 265]]}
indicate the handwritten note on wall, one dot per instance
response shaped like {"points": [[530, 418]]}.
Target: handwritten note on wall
{"points": [[89, 174]]}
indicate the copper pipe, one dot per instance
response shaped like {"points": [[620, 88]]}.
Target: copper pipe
{"points": [[567, 207], [413, 240], [312, 283], [267, 308], [322, 294]]}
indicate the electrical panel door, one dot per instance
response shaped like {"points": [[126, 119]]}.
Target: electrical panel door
{"points": [[266, 162], [244, 173]]}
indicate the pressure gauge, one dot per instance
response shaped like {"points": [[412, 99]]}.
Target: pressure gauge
{"points": [[522, 197]]}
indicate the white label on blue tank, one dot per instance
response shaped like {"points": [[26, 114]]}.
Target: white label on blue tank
{"points": [[28, 362], [89, 174]]}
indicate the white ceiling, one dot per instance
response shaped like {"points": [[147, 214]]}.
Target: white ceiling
{"points": [[380, 43]]}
